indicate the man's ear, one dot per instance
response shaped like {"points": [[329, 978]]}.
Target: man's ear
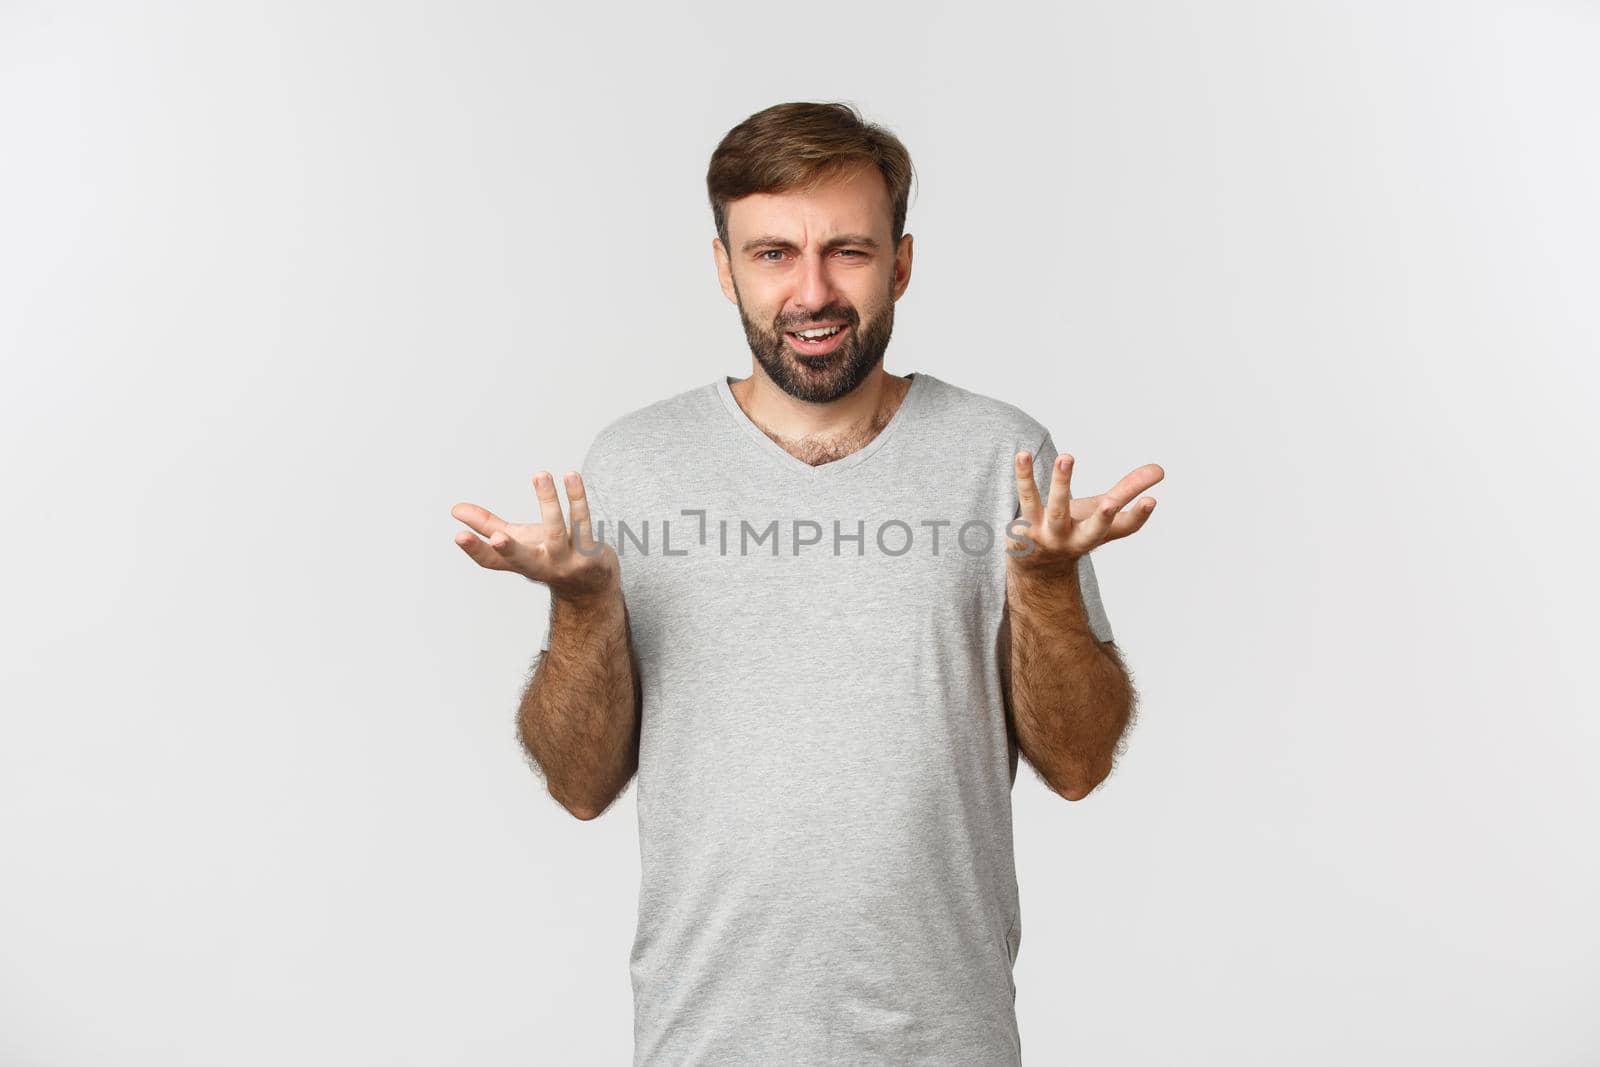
{"points": [[902, 266], [724, 270]]}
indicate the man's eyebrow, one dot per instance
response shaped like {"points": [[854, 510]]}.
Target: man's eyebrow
{"points": [[771, 241]]}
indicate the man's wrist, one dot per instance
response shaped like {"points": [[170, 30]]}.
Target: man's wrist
{"points": [[1053, 590], [610, 592]]}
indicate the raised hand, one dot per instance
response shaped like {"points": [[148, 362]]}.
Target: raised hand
{"points": [[544, 551], [1070, 528]]}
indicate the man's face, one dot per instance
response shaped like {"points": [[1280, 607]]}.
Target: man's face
{"points": [[822, 258]]}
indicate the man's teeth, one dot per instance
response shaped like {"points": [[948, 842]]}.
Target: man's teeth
{"points": [[813, 335]]}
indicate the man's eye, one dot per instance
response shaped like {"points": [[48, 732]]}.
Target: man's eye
{"points": [[778, 252]]}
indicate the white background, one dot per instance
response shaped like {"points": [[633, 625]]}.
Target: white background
{"points": [[279, 284]]}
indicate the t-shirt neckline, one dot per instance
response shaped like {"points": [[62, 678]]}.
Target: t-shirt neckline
{"points": [[861, 455]]}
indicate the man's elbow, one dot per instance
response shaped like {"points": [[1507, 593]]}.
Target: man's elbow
{"points": [[1077, 792], [1082, 785], [581, 810]]}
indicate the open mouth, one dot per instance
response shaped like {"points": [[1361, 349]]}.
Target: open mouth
{"points": [[818, 342]]}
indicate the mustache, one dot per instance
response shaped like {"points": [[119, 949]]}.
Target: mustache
{"points": [[820, 317]]}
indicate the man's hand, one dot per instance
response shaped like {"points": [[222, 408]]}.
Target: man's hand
{"points": [[1070, 528], [543, 551]]}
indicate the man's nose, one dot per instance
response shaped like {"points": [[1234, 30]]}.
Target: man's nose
{"points": [[813, 287]]}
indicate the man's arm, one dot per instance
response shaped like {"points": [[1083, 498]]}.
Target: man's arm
{"points": [[1069, 694], [1069, 698], [579, 718]]}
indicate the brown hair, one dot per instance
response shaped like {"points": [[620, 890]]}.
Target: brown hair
{"points": [[802, 145]]}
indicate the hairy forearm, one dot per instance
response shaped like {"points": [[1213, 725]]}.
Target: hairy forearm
{"points": [[579, 718], [1071, 699]]}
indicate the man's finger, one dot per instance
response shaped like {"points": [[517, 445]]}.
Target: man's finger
{"points": [[482, 520], [578, 507], [1058, 514], [523, 558], [1135, 482], [1027, 491], [1092, 531], [481, 553], [555, 526], [1128, 522]]}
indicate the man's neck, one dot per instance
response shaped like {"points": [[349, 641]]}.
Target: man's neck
{"points": [[821, 433]]}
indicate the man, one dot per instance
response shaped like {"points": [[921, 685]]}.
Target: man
{"points": [[798, 635]]}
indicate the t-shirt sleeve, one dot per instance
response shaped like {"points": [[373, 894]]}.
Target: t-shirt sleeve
{"points": [[1044, 458]]}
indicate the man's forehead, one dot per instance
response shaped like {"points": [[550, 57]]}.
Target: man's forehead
{"points": [[819, 213]]}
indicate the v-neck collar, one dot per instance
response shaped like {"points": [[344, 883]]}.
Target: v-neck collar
{"points": [[919, 383]]}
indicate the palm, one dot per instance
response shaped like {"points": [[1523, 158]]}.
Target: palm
{"points": [[564, 556], [526, 535]]}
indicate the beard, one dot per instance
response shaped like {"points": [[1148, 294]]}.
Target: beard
{"points": [[820, 379]]}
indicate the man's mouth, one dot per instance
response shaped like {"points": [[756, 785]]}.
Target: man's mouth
{"points": [[818, 341]]}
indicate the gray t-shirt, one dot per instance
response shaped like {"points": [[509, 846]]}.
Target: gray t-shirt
{"points": [[825, 769]]}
